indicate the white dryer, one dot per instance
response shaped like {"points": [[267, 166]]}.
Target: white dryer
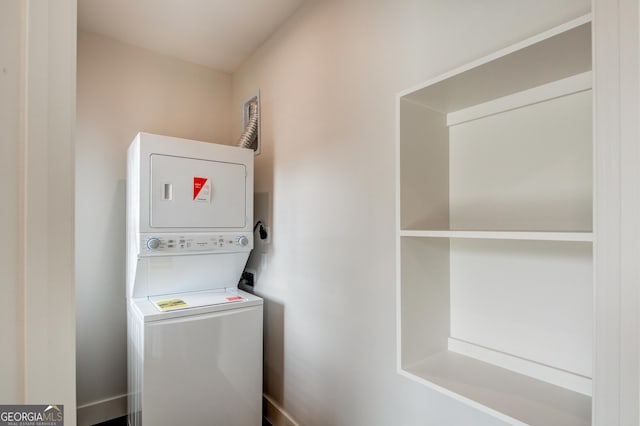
{"points": [[194, 339]]}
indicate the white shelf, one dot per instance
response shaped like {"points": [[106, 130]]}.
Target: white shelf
{"points": [[555, 376], [501, 235], [494, 250], [514, 398], [567, 86], [561, 52]]}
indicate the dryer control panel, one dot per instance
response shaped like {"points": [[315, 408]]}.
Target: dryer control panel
{"points": [[169, 244]]}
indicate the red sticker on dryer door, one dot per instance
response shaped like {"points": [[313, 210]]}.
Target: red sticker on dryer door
{"points": [[234, 298], [201, 189]]}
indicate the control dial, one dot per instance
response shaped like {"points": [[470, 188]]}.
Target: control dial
{"points": [[242, 241], [153, 243]]}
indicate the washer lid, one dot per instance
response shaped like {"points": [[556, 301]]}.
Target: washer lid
{"points": [[197, 303], [172, 302]]}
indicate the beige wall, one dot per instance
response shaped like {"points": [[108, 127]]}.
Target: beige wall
{"points": [[10, 300], [337, 349], [37, 120], [123, 90], [328, 79]]}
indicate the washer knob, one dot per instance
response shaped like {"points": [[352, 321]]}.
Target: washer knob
{"points": [[153, 243], [243, 241]]}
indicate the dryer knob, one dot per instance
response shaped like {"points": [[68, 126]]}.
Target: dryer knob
{"points": [[243, 241], [153, 243]]}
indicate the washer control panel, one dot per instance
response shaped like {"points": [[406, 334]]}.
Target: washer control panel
{"points": [[151, 244]]}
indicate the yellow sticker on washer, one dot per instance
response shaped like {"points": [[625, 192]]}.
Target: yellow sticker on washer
{"points": [[167, 305]]}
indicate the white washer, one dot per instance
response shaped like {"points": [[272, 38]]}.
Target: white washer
{"points": [[194, 339], [198, 366]]}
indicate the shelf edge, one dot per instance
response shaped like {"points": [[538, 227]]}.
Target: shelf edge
{"points": [[501, 235]]}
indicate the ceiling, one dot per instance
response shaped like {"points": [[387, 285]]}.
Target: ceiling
{"points": [[219, 34]]}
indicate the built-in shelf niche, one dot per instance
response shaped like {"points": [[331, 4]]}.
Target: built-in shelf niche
{"points": [[495, 230]]}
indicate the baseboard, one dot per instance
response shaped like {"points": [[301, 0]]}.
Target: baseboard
{"points": [[101, 411], [112, 408], [276, 415]]}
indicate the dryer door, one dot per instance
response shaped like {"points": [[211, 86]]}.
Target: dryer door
{"points": [[195, 193]]}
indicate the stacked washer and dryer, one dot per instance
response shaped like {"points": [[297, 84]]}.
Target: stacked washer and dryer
{"points": [[194, 339]]}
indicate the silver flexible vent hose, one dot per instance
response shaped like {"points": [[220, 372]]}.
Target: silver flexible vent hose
{"points": [[250, 135]]}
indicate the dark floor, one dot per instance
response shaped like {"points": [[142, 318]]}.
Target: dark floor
{"points": [[122, 421]]}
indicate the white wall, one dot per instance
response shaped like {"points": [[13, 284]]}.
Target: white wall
{"points": [[328, 79], [123, 90], [37, 116], [617, 224]]}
